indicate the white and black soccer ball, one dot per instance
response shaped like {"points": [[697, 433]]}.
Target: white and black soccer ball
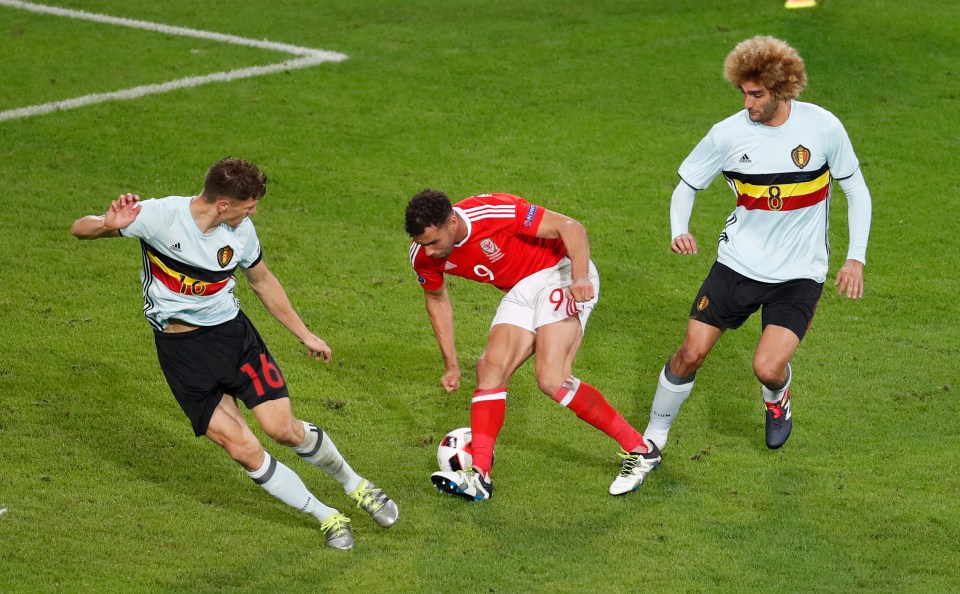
{"points": [[456, 450]]}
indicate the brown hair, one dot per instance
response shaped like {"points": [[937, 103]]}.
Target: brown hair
{"points": [[769, 62], [234, 179]]}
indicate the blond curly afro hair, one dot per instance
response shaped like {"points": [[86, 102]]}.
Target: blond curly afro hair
{"points": [[769, 62]]}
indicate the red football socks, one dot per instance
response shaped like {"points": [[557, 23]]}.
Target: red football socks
{"points": [[486, 419], [590, 405]]}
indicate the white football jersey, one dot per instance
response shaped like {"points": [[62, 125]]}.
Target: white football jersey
{"points": [[782, 179], [189, 275]]}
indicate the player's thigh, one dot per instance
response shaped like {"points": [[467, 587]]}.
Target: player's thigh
{"points": [[193, 364], [228, 429], [551, 301], [508, 346], [726, 298], [792, 305], [277, 420], [556, 347], [255, 377], [542, 299], [701, 337]]}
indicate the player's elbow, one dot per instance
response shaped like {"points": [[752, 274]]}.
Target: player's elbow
{"points": [[81, 230], [574, 226]]}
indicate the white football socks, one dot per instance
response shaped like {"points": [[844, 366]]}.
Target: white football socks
{"points": [[671, 392], [318, 449], [284, 484], [775, 396]]}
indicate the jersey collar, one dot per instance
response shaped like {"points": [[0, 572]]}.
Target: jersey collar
{"points": [[466, 220]]}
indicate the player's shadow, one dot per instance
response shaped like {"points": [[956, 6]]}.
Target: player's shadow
{"points": [[126, 419]]}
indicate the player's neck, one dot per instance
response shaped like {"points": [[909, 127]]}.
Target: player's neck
{"points": [[461, 233], [205, 215], [780, 116]]}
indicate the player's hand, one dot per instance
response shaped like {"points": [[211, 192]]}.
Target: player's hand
{"points": [[581, 290], [318, 349], [122, 212], [684, 244], [451, 379], [850, 279]]}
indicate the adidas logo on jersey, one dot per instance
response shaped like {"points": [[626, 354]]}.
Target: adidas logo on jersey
{"points": [[175, 247], [449, 266], [745, 159]]}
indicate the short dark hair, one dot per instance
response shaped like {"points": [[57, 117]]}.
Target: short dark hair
{"points": [[234, 179], [429, 208]]}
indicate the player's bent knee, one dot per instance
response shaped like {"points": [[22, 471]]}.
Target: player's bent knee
{"points": [[770, 374], [549, 385], [245, 452], [283, 434], [689, 360], [769, 379], [488, 372], [484, 365]]}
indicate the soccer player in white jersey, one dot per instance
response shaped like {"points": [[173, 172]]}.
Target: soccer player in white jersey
{"points": [[209, 351], [780, 157], [541, 260]]}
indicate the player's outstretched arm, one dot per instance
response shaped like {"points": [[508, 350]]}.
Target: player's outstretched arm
{"points": [[270, 292], [440, 312], [119, 215]]}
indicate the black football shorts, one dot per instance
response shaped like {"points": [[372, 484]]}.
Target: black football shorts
{"points": [[727, 298], [204, 364]]}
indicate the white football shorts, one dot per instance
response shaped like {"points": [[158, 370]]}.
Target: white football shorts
{"points": [[542, 299]]}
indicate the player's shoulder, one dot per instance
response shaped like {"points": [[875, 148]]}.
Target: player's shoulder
{"points": [[489, 199], [813, 112], [490, 209], [168, 204], [733, 122], [246, 227], [729, 130], [171, 201]]}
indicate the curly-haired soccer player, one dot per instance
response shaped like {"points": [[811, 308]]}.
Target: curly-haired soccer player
{"points": [[780, 157]]}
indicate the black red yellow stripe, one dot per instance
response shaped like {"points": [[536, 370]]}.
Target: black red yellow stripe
{"points": [[781, 191], [185, 279]]}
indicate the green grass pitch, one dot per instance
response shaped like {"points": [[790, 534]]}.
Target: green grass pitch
{"points": [[585, 107]]}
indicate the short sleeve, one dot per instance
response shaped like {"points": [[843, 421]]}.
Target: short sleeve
{"points": [[429, 272], [252, 253], [841, 157], [528, 218], [703, 164], [148, 223]]}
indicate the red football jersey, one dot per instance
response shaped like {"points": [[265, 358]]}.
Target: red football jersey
{"points": [[501, 247]]}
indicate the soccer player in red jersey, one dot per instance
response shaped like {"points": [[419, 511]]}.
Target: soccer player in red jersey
{"points": [[541, 259]]}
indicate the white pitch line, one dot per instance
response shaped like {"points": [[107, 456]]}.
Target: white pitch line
{"points": [[307, 57]]}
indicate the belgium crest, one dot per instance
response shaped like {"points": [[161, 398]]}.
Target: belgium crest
{"points": [[800, 156], [224, 255]]}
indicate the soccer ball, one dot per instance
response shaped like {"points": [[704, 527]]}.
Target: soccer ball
{"points": [[456, 450]]}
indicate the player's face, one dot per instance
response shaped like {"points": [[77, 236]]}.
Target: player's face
{"points": [[237, 210], [437, 241], [759, 103]]}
